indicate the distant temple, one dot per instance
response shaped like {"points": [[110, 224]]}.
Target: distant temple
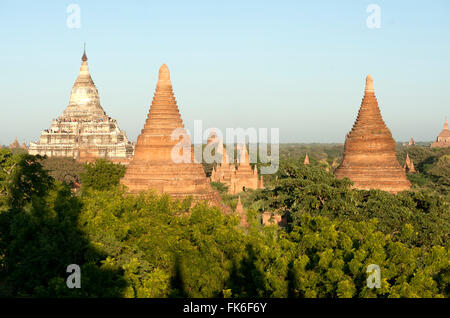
{"points": [[369, 152], [84, 131], [334, 164], [237, 179], [245, 177], [16, 145], [269, 218], [224, 170], [409, 165], [239, 210], [306, 161], [443, 140], [411, 142], [153, 165]]}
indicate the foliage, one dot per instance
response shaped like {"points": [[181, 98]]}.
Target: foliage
{"points": [[432, 165], [65, 170], [22, 177], [39, 237], [149, 245], [332, 259], [222, 188], [302, 189], [102, 175]]}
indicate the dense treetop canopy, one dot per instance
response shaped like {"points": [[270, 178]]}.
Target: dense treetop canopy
{"points": [[152, 246]]}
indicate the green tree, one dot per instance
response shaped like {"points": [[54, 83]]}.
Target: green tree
{"points": [[40, 236], [102, 175], [302, 189], [65, 170], [22, 178]]}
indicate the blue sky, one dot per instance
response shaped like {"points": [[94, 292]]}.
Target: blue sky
{"points": [[294, 65]]}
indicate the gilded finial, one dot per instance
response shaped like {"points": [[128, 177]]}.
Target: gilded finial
{"points": [[84, 58]]}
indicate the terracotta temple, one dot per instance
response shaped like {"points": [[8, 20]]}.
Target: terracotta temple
{"points": [[409, 165], [369, 152], [244, 177], [239, 210], [84, 131], [236, 179], [225, 170], [306, 161], [153, 165], [443, 140], [16, 145]]}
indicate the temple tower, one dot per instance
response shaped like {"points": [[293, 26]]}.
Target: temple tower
{"points": [[244, 177], [163, 157], [409, 165], [224, 170], [443, 139], [239, 210], [369, 152], [240, 178], [306, 161], [15, 144], [84, 131]]}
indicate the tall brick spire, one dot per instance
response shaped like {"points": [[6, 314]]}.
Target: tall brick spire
{"points": [[369, 153], [153, 165]]}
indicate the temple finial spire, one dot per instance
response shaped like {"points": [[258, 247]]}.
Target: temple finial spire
{"points": [[164, 74], [369, 160], [155, 164], [446, 123], [84, 58], [369, 84]]}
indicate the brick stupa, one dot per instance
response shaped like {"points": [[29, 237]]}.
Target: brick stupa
{"points": [[239, 210], [244, 177], [306, 161], [369, 152], [15, 144], [152, 166], [224, 170], [409, 165], [236, 179]]}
